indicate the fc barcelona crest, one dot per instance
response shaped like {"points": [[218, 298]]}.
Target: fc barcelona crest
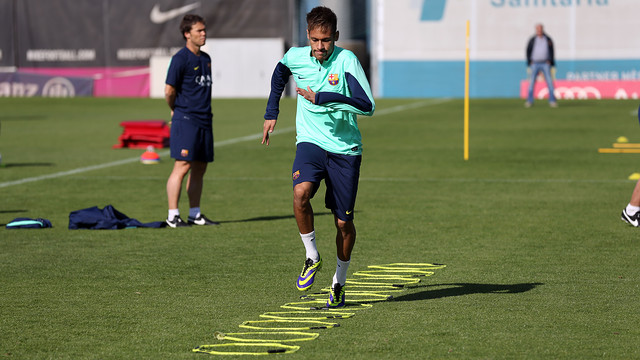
{"points": [[333, 79]]}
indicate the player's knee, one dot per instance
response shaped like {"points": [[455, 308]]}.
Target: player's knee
{"points": [[181, 168], [301, 196], [345, 226], [198, 168]]}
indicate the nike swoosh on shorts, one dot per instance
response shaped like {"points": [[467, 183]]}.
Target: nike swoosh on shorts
{"points": [[159, 17]]}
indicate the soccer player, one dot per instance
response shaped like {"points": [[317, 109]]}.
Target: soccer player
{"points": [[332, 90], [188, 93], [631, 214]]}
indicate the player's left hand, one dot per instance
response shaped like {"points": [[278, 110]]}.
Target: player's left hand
{"points": [[307, 94]]}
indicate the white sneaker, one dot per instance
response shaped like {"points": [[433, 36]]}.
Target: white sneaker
{"points": [[176, 222], [633, 220], [201, 220]]}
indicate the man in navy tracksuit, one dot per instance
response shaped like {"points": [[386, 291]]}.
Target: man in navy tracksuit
{"points": [[188, 93]]}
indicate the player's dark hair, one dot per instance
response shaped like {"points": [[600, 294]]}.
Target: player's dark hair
{"points": [[187, 23], [322, 17]]}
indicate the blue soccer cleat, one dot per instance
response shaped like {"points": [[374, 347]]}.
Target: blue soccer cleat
{"points": [[336, 296], [308, 274]]}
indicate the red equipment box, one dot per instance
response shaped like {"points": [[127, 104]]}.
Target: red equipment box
{"points": [[141, 134]]}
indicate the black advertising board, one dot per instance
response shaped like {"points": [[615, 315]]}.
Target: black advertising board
{"points": [[117, 33], [7, 57]]}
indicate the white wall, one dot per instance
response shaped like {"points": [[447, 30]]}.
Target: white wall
{"points": [[419, 45], [241, 68], [158, 66]]}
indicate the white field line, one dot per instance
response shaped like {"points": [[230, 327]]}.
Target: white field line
{"points": [[129, 160], [414, 105], [514, 181], [390, 180], [217, 144]]}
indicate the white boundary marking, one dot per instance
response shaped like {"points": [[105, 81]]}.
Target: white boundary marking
{"points": [[216, 144], [129, 160], [390, 179], [414, 105]]}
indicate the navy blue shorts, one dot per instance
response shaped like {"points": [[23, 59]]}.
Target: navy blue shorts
{"points": [[190, 142], [340, 173]]}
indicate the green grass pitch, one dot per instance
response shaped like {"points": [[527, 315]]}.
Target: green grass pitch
{"points": [[539, 264]]}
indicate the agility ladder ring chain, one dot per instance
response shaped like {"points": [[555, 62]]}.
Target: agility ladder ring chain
{"points": [[276, 329]]}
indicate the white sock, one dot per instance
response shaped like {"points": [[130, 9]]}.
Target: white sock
{"points": [[632, 209], [341, 272], [309, 241], [173, 213], [194, 212]]}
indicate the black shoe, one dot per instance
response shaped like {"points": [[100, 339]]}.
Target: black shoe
{"points": [[633, 220], [177, 222], [201, 220]]}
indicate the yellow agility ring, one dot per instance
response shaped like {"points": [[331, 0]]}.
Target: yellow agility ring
{"points": [[301, 336], [291, 315], [384, 274], [304, 305], [376, 284], [362, 296], [274, 348], [396, 283], [318, 324], [408, 266]]}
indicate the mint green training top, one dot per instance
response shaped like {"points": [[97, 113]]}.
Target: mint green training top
{"points": [[342, 93]]}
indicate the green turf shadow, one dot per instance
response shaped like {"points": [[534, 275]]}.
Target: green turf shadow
{"points": [[461, 289]]}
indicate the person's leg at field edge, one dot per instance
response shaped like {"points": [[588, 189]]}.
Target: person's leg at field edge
{"points": [[195, 182], [174, 183], [631, 214], [635, 197]]}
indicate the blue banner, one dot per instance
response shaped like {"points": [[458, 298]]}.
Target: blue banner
{"points": [[20, 84]]}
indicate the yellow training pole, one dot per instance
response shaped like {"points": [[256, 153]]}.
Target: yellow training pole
{"points": [[466, 97], [618, 151], [626, 146]]}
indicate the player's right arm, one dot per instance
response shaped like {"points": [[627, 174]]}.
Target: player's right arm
{"points": [[279, 80], [173, 81], [170, 97]]}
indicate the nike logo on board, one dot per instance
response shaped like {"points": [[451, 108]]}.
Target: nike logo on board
{"points": [[159, 17]]}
